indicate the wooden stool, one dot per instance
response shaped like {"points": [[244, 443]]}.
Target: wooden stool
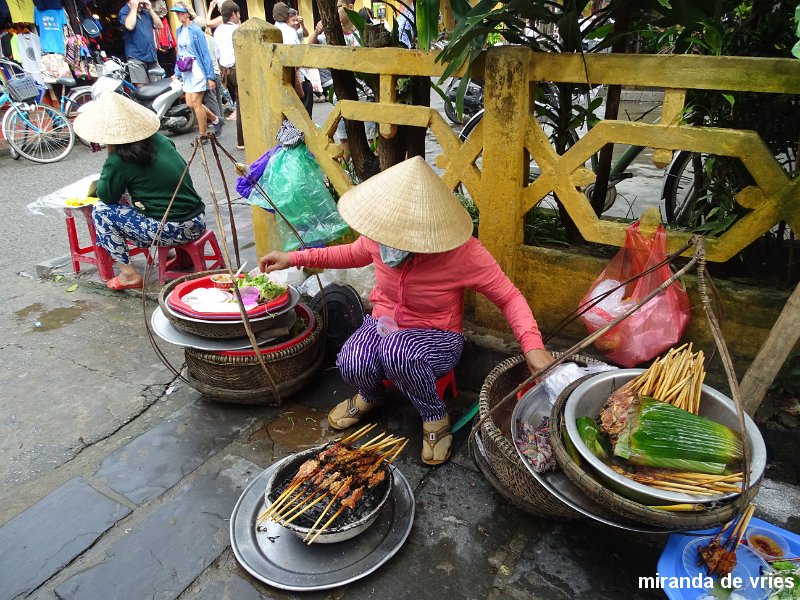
{"points": [[92, 254], [442, 383], [195, 250]]}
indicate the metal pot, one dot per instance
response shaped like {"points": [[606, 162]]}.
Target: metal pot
{"points": [[335, 533]]}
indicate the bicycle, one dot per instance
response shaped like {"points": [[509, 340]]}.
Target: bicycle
{"points": [[36, 131]]}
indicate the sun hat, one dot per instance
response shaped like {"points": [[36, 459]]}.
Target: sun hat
{"points": [[184, 7], [114, 119], [407, 207], [280, 12], [179, 9]]}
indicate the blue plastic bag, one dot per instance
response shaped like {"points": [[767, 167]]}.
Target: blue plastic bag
{"points": [[295, 183]]}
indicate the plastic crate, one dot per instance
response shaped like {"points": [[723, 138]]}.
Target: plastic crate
{"points": [[22, 88]]}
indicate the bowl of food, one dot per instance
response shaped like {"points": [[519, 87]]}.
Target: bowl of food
{"points": [[324, 506], [661, 473], [767, 544], [223, 281]]}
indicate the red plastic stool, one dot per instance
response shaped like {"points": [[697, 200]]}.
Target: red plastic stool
{"points": [[91, 254], [442, 383], [196, 251]]}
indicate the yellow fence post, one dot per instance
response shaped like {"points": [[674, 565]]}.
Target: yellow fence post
{"points": [[504, 169], [259, 124]]}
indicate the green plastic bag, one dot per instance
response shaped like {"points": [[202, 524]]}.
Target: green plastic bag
{"points": [[295, 183]]}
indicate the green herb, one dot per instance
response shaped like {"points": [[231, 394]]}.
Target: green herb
{"points": [[267, 289]]}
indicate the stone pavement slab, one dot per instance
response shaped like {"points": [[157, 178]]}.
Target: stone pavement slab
{"points": [[161, 555], [39, 542], [152, 463]]}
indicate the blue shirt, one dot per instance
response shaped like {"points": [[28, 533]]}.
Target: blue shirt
{"points": [[139, 43], [51, 29]]}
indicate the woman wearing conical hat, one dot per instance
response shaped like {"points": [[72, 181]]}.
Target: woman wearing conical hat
{"points": [[145, 164], [419, 237]]}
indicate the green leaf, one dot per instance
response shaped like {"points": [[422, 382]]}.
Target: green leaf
{"points": [[73, 287], [58, 278], [359, 22], [427, 22], [730, 99], [796, 50], [665, 4]]}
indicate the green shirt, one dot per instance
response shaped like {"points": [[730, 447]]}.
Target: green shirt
{"points": [[152, 186]]}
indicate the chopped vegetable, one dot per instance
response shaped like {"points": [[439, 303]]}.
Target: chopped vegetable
{"points": [[656, 434], [591, 436], [267, 289]]}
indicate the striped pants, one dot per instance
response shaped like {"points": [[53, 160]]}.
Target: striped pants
{"points": [[411, 359]]}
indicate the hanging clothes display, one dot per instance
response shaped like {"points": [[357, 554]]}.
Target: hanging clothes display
{"points": [[21, 10], [30, 49], [47, 4], [165, 40], [51, 29]]}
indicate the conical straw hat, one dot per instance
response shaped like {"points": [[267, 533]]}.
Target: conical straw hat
{"points": [[114, 119], [407, 207]]}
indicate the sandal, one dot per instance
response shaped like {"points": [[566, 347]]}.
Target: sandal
{"points": [[437, 441], [349, 412], [115, 284]]}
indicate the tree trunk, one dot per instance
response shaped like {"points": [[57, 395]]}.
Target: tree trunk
{"points": [[365, 162]]}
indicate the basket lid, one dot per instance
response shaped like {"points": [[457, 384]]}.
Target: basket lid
{"points": [[345, 315]]}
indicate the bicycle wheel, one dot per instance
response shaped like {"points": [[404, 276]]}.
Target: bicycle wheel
{"points": [[72, 104], [682, 184], [40, 133]]}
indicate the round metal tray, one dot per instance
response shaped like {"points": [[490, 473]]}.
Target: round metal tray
{"points": [[294, 298], [280, 559], [171, 334], [532, 408]]}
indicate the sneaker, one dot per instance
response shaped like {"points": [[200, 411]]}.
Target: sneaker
{"points": [[240, 147], [218, 126]]}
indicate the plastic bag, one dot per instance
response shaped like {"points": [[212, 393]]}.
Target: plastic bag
{"points": [[245, 184], [655, 326], [294, 182]]}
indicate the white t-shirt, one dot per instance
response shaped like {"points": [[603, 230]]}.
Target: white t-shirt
{"points": [[223, 36], [31, 50], [289, 33]]}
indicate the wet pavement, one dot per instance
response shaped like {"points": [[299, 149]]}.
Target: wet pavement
{"points": [[117, 480]]}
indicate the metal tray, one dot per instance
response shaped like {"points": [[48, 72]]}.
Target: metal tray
{"points": [[294, 298], [532, 408], [171, 334], [280, 559]]}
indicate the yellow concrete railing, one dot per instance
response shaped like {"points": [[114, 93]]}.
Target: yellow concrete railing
{"points": [[509, 135]]}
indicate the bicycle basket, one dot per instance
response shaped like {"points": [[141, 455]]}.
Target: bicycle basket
{"points": [[22, 88]]}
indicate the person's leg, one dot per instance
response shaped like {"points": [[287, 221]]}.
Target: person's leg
{"points": [[110, 222], [358, 362], [195, 101], [412, 359]]}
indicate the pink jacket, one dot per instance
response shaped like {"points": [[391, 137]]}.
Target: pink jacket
{"points": [[427, 290]]}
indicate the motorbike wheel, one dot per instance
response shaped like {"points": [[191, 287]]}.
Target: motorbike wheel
{"points": [[450, 111], [188, 127]]}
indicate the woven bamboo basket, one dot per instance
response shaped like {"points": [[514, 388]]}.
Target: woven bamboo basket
{"points": [[499, 451], [217, 330], [241, 379], [679, 521]]}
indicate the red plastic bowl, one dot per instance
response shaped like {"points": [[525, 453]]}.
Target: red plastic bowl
{"points": [[175, 301]]}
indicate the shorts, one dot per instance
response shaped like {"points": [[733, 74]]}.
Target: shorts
{"points": [[137, 70], [194, 82]]}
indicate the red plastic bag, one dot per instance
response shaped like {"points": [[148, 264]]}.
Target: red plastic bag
{"points": [[655, 326]]}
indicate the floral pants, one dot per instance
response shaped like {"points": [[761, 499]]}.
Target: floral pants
{"points": [[117, 224]]}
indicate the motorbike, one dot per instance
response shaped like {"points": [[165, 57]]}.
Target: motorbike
{"points": [[473, 100], [163, 96]]}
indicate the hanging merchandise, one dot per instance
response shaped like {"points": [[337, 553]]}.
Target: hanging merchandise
{"points": [[51, 29], [295, 183], [54, 67], [21, 10], [655, 326], [30, 49], [165, 39]]}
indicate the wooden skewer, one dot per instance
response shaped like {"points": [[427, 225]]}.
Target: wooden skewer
{"points": [[324, 527], [398, 451], [278, 502], [294, 507], [708, 478], [360, 433], [672, 489], [368, 444], [327, 508], [308, 506]]}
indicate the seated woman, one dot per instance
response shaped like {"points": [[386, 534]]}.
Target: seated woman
{"points": [[419, 237], [144, 163]]}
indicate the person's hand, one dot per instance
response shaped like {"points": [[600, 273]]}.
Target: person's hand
{"points": [[299, 21], [274, 261], [318, 29], [147, 5], [212, 84], [538, 359], [211, 6]]}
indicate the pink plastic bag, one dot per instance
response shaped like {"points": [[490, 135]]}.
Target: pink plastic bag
{"points": [[655, 326]]}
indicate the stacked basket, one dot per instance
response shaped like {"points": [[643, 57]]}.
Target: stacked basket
{"points": [[227, 367]]}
